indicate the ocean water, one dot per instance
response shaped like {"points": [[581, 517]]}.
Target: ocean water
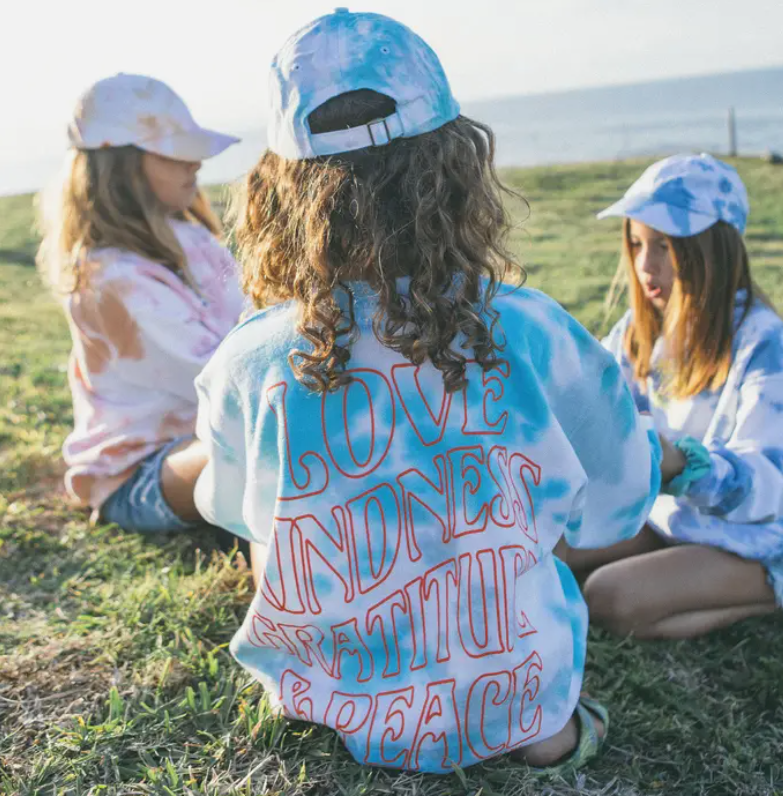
{"points": [[608, 123], [660, 118]]}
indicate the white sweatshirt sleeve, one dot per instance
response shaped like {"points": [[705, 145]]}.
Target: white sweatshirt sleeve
{"points": [[238, 488], [167, 341], [745, 484], [616, 447]]}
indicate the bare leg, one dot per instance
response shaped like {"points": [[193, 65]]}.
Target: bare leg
{"points": [[696, 623], [550, 751], [582, 562], [678, 592], [181, 469]]}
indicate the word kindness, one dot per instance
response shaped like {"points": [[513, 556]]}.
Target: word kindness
{"points": [[404, 561]]}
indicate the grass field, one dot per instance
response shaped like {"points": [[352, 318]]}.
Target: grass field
{"points": [[114, 672]]}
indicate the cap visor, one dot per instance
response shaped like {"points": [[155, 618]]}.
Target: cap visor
{"points": [[673, 221], [191, 145]]}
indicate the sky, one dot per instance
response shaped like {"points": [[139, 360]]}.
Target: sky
{"points": [[216, 54]]}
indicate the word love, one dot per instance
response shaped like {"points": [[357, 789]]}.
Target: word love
{"points": [[372, 395]]}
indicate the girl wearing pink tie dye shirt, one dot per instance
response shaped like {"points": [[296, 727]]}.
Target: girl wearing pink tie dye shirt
{"points": [[149, 293]]}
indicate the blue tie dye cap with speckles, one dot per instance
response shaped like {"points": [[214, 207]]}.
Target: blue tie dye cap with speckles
{"points": [[344, 52], [685, 194]]}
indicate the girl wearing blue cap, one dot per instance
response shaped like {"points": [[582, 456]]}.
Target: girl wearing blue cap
{"points": [[703, 352], [404, 440]]}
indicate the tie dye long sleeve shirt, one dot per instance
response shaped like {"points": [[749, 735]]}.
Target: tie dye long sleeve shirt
{"points": [[410, 597], [140, 338], [738, 505]]}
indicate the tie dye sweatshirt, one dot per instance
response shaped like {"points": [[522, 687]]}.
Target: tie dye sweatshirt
{"points": [[140, 338], [410, 597], [738, 505]]}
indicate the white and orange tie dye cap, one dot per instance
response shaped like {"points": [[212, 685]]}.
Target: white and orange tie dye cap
{"points": [[140, 111]]}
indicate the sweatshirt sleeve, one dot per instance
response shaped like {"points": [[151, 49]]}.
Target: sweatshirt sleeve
{"points": [[152, 330], [172, 340], [237, 489], [618, 449], [745, 484], [220, 489]]}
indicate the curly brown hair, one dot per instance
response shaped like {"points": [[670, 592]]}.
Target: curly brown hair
{"points": [[429, 208]]}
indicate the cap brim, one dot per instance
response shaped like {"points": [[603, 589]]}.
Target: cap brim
{"points": [[673, 221], [191, 145]]}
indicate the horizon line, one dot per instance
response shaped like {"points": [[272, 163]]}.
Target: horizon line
{"points": [[259, 127]]}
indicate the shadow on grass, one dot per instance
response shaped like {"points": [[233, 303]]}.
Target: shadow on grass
{"points": [[17, 257], [763, 237], [49, 555]]}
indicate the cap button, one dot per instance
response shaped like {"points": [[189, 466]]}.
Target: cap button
{"points": [[341, 10]]}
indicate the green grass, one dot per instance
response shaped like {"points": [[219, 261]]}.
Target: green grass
{"points": [[114, 672]]}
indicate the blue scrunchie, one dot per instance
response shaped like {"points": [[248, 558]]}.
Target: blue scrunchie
{"points": [[697, 465]]}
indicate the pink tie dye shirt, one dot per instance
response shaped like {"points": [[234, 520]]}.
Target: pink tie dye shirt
{"points": [[140, 337]]}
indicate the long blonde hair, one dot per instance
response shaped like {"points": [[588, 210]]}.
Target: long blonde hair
{"points": [[103, 201], [698, 323]]}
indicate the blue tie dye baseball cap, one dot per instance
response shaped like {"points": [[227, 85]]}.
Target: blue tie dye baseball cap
{"points": [[344, 52], [685, 194]]}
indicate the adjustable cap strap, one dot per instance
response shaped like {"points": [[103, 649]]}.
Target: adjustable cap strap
{"points": [[377, 133]]}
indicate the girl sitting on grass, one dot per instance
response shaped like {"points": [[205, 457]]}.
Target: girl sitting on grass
{"points": [[403, 438], [149, 292], [703, 352]]}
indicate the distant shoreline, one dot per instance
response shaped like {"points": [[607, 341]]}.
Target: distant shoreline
{"points": [[662, 81], [581, 125]]}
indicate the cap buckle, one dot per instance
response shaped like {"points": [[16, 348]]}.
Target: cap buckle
{"points": [[385, 130]]}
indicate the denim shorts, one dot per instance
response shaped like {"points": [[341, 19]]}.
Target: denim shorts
{"points": [[138, 505]]}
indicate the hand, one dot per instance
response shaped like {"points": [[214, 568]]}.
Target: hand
{"points": [[673, 461]]}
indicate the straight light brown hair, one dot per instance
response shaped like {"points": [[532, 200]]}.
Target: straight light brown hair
{"points": [[105, 201], [698, 323]]}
